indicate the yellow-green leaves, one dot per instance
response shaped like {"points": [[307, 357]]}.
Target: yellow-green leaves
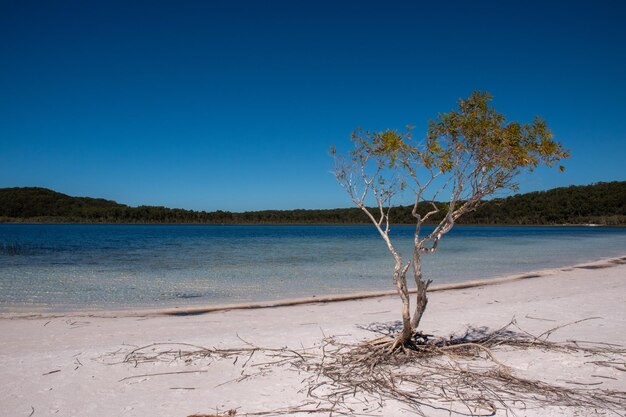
{"points": [[476, 132], [389, 145], [473, 148]]}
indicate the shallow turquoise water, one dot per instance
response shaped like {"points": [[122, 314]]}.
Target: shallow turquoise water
{"points": [[79, 267]]}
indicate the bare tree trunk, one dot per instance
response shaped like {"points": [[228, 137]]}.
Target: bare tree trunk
{"points": [[399, 279], [421, 300]]}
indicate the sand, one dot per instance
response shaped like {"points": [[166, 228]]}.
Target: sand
{"points": [[65, 365]]}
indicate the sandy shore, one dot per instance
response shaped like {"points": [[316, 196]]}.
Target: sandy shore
{"points": [[68, 365]]}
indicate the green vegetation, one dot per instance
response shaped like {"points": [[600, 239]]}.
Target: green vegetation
{"points": [[601, 203]]}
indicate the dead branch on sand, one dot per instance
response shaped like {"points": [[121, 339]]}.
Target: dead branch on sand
{"points": [[458, 375]]}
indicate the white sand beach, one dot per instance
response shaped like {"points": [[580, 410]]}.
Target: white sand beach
{"points": [[68, 365]]}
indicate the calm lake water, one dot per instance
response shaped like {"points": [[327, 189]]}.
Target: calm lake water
{"points": [[92, 267]]}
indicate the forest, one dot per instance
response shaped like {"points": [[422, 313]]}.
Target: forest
{"points": [[601, 203]]}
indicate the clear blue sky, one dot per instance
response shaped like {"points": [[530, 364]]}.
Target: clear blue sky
{"points": [[233, 105]]}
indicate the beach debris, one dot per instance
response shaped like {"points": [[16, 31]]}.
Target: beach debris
{"points": [[161, 374], [75, 324], [52, 372], [229, 413], [460, 374]]}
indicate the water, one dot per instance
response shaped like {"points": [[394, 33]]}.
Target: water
{"points": [[93, 267]]}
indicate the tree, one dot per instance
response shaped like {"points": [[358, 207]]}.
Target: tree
{"points": [[467, 154]]}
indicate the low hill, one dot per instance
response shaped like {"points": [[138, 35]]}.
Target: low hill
{"points": [[29, 202], [601, 203]]}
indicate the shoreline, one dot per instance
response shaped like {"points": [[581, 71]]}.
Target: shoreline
{"points": [[28, 222], [75, 366], [200, 309]]}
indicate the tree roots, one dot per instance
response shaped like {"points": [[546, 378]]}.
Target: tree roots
{"points": [[456, 375]]}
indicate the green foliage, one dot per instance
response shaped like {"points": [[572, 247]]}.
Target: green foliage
{"points": [[602, 203], [477, 134], [473, 148], [31, 202]]}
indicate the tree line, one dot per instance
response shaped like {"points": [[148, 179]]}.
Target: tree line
{"points": [[600, 203]]}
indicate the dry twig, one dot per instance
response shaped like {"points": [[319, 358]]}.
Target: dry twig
{"points": [[460, 375]]}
